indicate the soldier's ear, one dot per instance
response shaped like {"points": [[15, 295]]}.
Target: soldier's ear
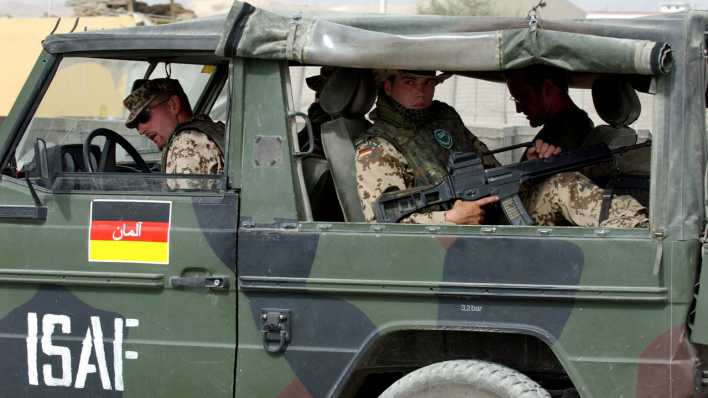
{"points": [[174, 104], [388, 87], [549, 89]]}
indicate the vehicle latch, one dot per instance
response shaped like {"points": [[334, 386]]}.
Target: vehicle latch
{"points": [[209, 282], [275, 326], [217, 283]]}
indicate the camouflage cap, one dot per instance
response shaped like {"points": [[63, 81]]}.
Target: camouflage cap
{"points": [[145, 91]]}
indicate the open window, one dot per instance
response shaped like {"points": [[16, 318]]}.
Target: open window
{"points": [[77, 139], [620, 107]]}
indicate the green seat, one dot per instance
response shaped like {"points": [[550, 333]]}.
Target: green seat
{"points": [[347, 97]]}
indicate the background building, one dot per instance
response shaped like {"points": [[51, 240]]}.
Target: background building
{"points": [[21, 43]]}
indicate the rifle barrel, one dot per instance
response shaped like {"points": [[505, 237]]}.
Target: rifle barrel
{"points": [[628, 148], [509, 148]]}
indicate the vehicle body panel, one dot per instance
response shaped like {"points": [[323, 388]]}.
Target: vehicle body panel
{"points": [[612, 307]]}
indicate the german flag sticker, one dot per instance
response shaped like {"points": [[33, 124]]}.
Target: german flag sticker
{"points": [[130, 232]]}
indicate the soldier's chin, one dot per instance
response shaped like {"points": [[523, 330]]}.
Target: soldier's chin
{"points": [[158, 141], [535, 123]]}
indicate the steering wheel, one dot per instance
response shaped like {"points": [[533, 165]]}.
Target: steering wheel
{"points": [[112, 138]]}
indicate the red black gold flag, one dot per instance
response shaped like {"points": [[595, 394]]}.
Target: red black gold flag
{"points": [[130, 232]]}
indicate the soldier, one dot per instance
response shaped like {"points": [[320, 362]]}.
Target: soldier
{"points": [[541, 93], [409, 144], [315, 113], [160, 110]]}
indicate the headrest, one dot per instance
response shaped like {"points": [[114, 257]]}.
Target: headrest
{"points": [[348, 92], [615, 101], [611, 136]]}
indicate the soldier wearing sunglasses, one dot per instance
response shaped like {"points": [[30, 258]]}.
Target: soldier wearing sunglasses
{"points": [[190, 144]]}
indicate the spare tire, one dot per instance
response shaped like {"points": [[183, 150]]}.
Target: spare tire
{"points": [[465, 378]]}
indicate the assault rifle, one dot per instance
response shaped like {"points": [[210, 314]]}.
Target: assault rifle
{"points": [[468, 180]]}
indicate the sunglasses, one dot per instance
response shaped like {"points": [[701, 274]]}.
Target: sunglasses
{"points": [[144, 116]]}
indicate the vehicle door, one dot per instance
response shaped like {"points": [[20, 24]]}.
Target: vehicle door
{"points": [[338, 286], [112, 282]]}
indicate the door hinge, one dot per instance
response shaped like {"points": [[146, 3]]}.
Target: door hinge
{"points": [[275, 326]]}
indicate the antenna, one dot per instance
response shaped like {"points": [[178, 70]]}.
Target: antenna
{"points": [[55, 27], [76, 23]]}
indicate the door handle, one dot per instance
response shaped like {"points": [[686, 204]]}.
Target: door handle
{"points": [[200, 282]]}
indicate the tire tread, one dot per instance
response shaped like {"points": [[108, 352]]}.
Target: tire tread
{"points": [[501, 380]]}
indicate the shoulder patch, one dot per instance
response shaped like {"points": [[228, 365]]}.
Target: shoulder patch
{"points": [[443, 138], [363, 152], [366, 148]]}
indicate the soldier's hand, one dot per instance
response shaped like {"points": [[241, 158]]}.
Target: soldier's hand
{"points": [[541, 150], [469, 212]]}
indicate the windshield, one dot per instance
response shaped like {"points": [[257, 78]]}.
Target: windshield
{"points": [[87, 93]]}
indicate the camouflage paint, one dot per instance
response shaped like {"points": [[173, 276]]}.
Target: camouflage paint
{"points": [[176, 330], [573, 288], [506, 261], [56, 300], [617, 328], [543, 285], [315, 353], [216, 218]]}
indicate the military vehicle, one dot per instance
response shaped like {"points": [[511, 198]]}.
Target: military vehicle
{"points": [[256, 283]]}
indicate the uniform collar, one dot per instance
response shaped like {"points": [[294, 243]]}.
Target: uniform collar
{"points": [[389, 111]]}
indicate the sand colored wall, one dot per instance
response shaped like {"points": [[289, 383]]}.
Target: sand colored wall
{"points": [[20, 45]]}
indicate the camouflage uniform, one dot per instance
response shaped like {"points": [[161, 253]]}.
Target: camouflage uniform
{"points": [[573, 199], [392, 156], [556, 131], [568, 130], [406, 148], [195, 147]]}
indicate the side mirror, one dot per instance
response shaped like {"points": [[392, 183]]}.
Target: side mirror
{"points": [[46, 163], [40, 158]]}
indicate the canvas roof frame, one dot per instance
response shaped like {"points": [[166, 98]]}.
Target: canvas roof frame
{"points": [[670, 48]]}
